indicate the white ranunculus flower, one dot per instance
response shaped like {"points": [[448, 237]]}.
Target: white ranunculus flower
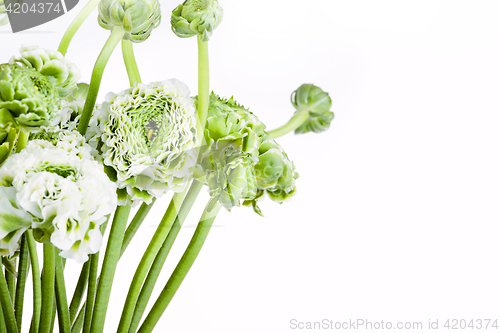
{"points": [[56, 188], [146, 138]]}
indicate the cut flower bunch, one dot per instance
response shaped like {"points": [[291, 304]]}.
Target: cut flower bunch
{"points": [[71, 169]]}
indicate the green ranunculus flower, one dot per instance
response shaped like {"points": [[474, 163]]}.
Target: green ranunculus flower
{"points": [[52, 64], [137, 17], [71, 108], [196, 17], [28, 96], [8, 134], [231, 178], [317, 103], [146, 137]]}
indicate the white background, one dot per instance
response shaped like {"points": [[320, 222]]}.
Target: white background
{"points": [[396, 216]]}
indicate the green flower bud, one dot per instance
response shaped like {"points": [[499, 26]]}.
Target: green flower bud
{"points": [[317, 103], [62, 74], [196, 17], [232, 178], [28, 96], [80, 94], [137, 17], [4, 18]]}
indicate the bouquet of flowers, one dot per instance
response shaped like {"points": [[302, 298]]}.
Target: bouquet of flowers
{"points": [[70, 165]]}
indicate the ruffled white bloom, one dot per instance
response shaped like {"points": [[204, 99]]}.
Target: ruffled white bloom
{"points": [[62, 74], [146, 136], [59, 191]]}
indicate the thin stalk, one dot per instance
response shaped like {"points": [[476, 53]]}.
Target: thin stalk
{"points": [[155, 270], [89, 305], [135, 224], [37, 289], [203, 87], [80, 288], [95, 81], [75, 25], [108, 268], [11, 284], [61, 298], [48, 281], [78, 324], [147, 259], [3, 328], [22, 140], [180, 272], [22, 273], [130, 63], [6, 302], [294, 123]]}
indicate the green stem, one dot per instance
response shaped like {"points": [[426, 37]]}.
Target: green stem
{"points": [[22, 140], [79, 291], [3, 328], [6, 302], [48, 279], [203, 87], [294, 123], [22, 273], [75, 25], [11, 283], [37, 289], [78, 324], [147, 259], [89, 305], [95, 81], [155, 270], [136, 222], [61, 298], [180, 272], [130, 63], [108, 268]]}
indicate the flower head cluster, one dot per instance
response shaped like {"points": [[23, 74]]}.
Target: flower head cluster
{"points": [[137, 17], [27, 97], [241, 161], [146, 138], [317, 103], [62, 74], [54, 187], [196, 18]]}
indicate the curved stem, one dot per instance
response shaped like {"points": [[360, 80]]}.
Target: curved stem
{"points": [[159, 261], [130, 63], [294, 123], [6, 302], [136, 222], [11, 282], [203, 87], [61, 298], [75, 25], [89, 305], [37, 289], [183, 267], [108, 268], [95, 81], [48, 279], [21, 281], [81, 285], [147, 259]]}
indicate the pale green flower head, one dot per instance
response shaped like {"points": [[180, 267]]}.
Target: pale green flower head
{"points": [[137, 17], [196, 18], [317, 103], [28, 96], [71, 109], [146, 138], [62, 74], [55, 188], [231, 178]]}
